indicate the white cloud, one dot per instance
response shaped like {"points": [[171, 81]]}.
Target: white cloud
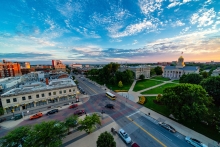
{"points": [[135, 42], [149, 6], [178, 23], [173, 4], [86, 33]]}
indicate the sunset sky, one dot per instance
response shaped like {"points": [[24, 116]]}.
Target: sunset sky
{"points": [[102, 31]]}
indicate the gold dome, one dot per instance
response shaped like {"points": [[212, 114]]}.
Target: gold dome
{"points": [[181, 57]]}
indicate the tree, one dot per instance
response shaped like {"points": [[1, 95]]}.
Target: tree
{"points": [[142, 77], [205, 74], [89, 122], [71, 122], [127, 76], [105, 140], [158, 70], [120, 84], [158, 97], [15, 137], [1, 111], [192, 78], [187, 102], [152, 72], [212, 86], [47, 134]]}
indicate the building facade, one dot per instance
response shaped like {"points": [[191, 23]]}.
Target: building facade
{"points": [[9, 69], [138, 70], [58, 65], [175, 72], [34, 95], [216, 72]]}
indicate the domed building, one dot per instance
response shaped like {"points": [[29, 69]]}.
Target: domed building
{"points": [[175, 72]]}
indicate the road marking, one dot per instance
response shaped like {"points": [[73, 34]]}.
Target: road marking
{"points": [[133, 113], [89, 87], [162, 134], [148, 133]]}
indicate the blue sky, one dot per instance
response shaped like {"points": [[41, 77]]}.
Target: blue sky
{"points": [[102, 31]]}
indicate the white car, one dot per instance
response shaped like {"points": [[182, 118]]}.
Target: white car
{"points": [[124, 136], [195, 142]]}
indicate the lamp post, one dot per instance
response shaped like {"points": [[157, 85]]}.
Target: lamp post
{"points": [[77, 96]]}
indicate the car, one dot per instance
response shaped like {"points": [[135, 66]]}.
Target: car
{"points": [[111, 106], [73, 106], [135, 145], [168, 127], [79, 112], [52, 111], [194, 142], [38, 115], [124, 136]]}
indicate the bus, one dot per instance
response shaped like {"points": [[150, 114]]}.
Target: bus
{"points": [[110, 95]]}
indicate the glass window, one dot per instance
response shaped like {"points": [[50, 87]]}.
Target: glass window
{"points": [[37, 96], [73, 89], [54, 93], [8, 101], [60, 92], [64, 91], [29, 97], [49, 93], [42, 95], [14, 99], [69, 90], [23, 98]]}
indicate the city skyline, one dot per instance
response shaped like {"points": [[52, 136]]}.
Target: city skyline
{"points": [[94, 31]]}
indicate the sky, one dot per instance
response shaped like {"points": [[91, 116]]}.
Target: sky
{"points": [[103, 31]]}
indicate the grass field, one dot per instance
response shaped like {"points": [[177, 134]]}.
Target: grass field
{"points": [[161, 78], [158, 90], [201, 128], [175, 81], [140, 85]]}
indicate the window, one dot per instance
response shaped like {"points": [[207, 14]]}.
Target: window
{"points": [[29, 97], [49, 93], [8, 101], [60, 92], [37, 96], [23, 98], [64, 91], [14, 99], [54, 93], [73, 89], [42, 95], [69, 90]]}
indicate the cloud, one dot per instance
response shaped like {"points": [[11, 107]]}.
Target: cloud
{"points": [[135, 42], [149, 6], [178, 23], [28, 55], [86, 32], [173, 4]]}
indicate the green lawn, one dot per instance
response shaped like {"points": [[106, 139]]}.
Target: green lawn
{"points": [[175, 81], [158, 90], [142, 84], [155, 107], [161, 78], [201, 128], [110, 86]]}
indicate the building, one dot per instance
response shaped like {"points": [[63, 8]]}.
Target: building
{"points": [[138, 70], [76, 65], [36, 94], [175, 72], [8, 83], [25, 70], [25, 64], [9, 69], [58, 65], [216, 72]]}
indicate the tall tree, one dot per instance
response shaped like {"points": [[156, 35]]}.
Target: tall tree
{"points": [[15, 137], [89, 122], [158, 70], [212, 86], [71, 122], [105, 140], [192, 78], [152, 72], [205, 74], [187, 102], [120, 84], [128, 76]]}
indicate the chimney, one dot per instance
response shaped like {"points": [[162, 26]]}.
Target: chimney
{"points": [[47, 81]]}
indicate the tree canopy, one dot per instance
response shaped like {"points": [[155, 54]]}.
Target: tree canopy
{"points": [[187, 102], [120, 84], [105, 140], [158, 70], [212, 86], [71, 122], [192, 78]]}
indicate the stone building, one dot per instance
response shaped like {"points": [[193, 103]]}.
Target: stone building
{"points": [[175, 72], [38, 94], [138, 70]]}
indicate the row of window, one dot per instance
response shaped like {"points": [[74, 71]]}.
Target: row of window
{"points": [[173, 71], [38, 96]]}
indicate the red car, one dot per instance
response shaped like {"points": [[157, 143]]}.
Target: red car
{"points": [[73, 106], [135, 145], [79, 112], [38, 115]]}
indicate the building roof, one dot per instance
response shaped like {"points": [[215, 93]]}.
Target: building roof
{"points": [[192, 68]]}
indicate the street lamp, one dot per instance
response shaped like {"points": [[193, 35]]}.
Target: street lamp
{"points": [[77, 96]]}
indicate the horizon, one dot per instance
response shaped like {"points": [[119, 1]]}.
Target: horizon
{"points": [[134, 31]]}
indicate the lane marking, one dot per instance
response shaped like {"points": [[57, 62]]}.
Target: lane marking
{"points": [[147, 133], [89, 87], [162, 134], [133, 113]]}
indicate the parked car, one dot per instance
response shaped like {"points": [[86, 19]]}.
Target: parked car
{"points": [[135, 145], [79, 112], [52, 111], [73, 106], [111, 106], [195, 142], [38, 115], [124, 136], [17, 116], [168, 127]]}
